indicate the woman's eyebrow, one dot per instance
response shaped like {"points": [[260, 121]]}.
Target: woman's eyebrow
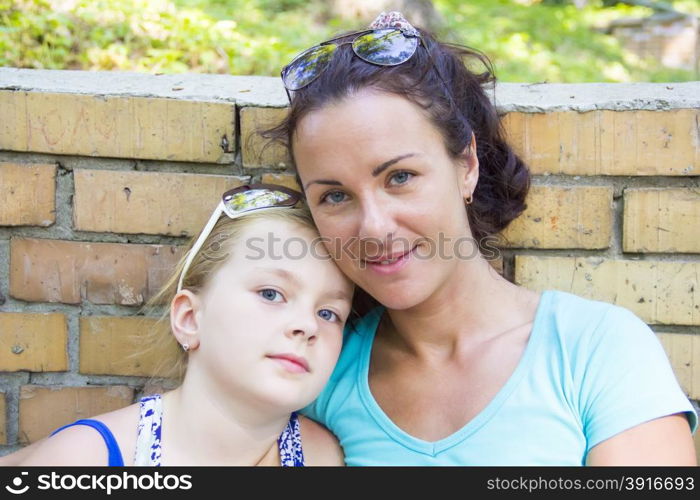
{"points": [[378, 170], [381, 168]]}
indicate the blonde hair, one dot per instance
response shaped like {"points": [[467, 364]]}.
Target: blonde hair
{"points": [[159, 340]]}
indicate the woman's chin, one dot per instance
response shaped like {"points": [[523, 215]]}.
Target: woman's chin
{"points": [[399, 300]]}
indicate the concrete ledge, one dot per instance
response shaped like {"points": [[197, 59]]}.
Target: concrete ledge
{"points": [[267, 91]]}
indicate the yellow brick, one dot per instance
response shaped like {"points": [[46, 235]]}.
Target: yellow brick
{"points": [[3, 419], [254, 153], [28, 194], [661, 220], [684, 352], [658, 292], [114, 346], [33, 342], [288, 180], [606, 142], [147, 202], [43, 270], [44, 409], [564, 217], [122, 127]]}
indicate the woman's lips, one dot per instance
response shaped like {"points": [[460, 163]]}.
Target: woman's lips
{"points": [[393, 266], [291, 362]]}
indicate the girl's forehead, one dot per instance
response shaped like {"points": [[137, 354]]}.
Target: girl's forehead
{"points": [[278, 241]]}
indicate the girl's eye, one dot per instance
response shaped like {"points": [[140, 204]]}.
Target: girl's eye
{"points": [[327, 314], [270, 294], [333, 197], [401, 177]]}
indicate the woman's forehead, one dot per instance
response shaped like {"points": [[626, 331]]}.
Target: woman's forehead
{"points": [[371, 129], [363, 115]]}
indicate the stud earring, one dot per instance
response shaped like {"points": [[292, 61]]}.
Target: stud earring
{"points": [[185, 347], [469, 200]]}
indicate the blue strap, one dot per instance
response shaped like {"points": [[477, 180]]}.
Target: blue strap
{"points": [[289, 442], [115, 454]]}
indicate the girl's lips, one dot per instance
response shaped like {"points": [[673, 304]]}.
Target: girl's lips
{"points": [[291, 362], [394, 267]]}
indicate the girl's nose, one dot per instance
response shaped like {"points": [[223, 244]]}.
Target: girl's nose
{"points": [[305, 327]]}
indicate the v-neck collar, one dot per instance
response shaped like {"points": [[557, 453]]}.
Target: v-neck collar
{"points": [[433, 448]]}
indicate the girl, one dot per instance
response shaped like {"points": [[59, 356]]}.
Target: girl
{"points": [[403, 161], [260, 323]]}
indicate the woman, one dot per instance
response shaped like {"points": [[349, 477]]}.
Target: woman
{"points": [[402, 159]]}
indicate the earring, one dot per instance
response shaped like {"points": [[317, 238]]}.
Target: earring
{"points": [[185, 347], [469, 200]]}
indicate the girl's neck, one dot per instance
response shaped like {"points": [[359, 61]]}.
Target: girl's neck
{"points": [[202, 427]]}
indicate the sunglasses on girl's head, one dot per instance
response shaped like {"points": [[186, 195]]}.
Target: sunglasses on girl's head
{"points": [[237, 202]]}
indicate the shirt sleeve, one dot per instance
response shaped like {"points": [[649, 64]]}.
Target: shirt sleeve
{"points": [[626, 378]]}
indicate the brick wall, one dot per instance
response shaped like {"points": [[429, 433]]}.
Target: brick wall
{"points": [[104, 176]]}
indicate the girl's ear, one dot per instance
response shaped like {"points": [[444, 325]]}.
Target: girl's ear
{"points": [[469, 175], [184, 318]]}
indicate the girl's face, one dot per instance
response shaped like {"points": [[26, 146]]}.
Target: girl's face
{"points": [[271, 319], [381, 186]]}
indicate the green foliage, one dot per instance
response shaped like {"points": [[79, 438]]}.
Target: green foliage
{"points": [[553, 43], [528, 40]]}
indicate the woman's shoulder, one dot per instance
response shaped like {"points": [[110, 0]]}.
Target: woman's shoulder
{"points": [[320, 446], [577, 315], [82, 445], [584, 327]]}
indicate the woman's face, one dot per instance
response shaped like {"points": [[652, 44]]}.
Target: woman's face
{"points": [[386, 196], [271, 319]]}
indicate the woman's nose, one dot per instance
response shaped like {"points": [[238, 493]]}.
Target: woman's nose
{"points": [[376, 223]]}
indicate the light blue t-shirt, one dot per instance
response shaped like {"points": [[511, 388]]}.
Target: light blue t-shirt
{"points": [[590, 370]]}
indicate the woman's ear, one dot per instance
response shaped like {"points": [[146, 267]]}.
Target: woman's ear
{"points": [[184, 319], [469, 173]]}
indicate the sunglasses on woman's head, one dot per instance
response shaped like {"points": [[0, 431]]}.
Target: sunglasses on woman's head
{"points": [[383, 47], [237, 202]]}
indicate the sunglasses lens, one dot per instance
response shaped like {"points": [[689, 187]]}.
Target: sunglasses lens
{"points": [[305, 68], [385, 47], [255, 198]]}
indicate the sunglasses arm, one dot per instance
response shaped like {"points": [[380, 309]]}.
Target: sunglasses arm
{"points": [[200, 241]]}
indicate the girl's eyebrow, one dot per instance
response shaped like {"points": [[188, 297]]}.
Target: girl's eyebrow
{"points": [[282, 273], [338, 294], [378, 170], [294, 279]]}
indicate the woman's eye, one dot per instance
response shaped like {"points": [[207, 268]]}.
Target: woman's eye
{"points": [[334, 197], [270, 294], [401, 177], [328, 315]]}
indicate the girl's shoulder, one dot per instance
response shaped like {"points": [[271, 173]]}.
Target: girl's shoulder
{"points": [[82, 445], [320, 446]]}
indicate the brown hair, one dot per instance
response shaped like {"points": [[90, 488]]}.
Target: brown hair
{"points": [[212, 255], [504, 179]]}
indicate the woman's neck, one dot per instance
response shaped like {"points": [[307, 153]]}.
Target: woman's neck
{"points": [[202, 426], [474, 305]]}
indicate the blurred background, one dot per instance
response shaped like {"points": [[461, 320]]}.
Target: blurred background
{"points": [[528, 40]]}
